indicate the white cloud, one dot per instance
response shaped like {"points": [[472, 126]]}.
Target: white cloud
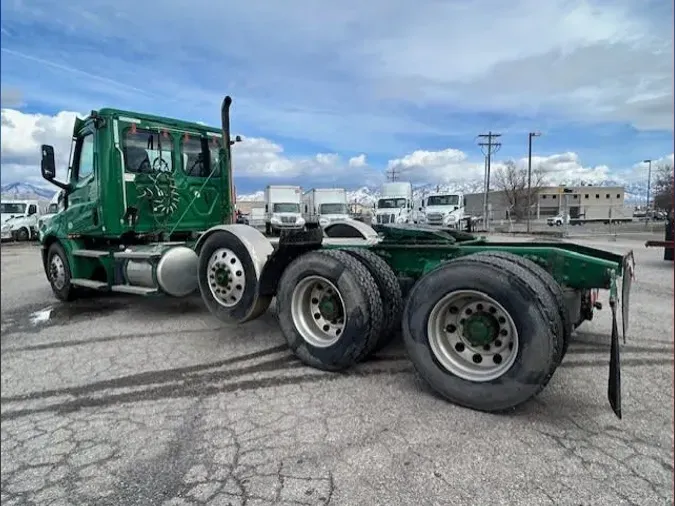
{"points": [[263, 161], [254, 157], [349, 75]]}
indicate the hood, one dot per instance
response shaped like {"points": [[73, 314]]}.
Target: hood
{"points": [[441, 209], [334, 217], [286, 214], [391, 211], [9, 216]]}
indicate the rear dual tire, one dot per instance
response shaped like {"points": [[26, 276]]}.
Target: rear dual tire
{"points": [[510, 299]]}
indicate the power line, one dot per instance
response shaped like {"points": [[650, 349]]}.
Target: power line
{"points": [[488, 149]]}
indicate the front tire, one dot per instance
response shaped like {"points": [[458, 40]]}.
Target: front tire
{"points": [[462, 316], [329, 309], [59, 274], [23, 235]]}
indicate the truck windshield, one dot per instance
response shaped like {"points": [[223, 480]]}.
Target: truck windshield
{"points": [[335, 208], [12, 208], [443, 200], [286, 208], [391, 203]]}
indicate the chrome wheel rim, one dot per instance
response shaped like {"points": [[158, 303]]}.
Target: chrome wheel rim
{"points": [[57, 272], [226, 277], [472, 336], [318, 311]]}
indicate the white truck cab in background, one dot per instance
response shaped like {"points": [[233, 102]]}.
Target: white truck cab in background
{"points": [[444, 210], [55, 206], [396, 204], [19, 219], [282, 208], [325, 205]]}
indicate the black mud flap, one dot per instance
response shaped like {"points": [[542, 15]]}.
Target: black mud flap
{"points": [[626, 283], [614, 384]]}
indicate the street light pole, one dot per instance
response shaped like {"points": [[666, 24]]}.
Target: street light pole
{"points": [[649, 182], [529, 176]]}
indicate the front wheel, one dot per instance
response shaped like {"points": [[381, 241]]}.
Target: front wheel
{"points": [[59, 274], [23, 234], [480, 334]]}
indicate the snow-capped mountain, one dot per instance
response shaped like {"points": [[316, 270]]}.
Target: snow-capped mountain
{"points": [[26, 191]]}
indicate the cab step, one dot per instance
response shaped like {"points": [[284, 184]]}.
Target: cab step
{"points": [[88, 283], [90, 253], [135, 290]]}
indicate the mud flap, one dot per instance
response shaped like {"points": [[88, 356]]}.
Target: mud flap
{"points": [[614, 384]]}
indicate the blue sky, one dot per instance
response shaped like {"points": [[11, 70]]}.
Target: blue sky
{"points": [[382, 78]]}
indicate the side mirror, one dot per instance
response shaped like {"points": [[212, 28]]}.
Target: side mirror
{"points": [[48, 165]]}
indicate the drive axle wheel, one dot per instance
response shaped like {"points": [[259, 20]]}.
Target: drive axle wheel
{"points": [[472, 335], [229, 268], [481, 332], [329, 309]]}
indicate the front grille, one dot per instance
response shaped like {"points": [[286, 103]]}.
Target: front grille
{"points": [[288, 219], [383, 219], [434, 218]]}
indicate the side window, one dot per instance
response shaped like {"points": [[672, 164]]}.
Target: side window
{"points": [[85, 166], [32, 209], [146, 151], [200, 155]]}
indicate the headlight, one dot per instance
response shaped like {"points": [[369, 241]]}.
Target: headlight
{"points": [[300, 221], [450, 218], [324, 221], [275, 220], [401, 219]]}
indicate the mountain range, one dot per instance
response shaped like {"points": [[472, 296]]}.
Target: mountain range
{"points": [[634, 193]]}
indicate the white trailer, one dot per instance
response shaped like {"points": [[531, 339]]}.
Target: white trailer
{"points": [[19, 219], [282, 208], [395, 204], [325, 205], [444, 209]]}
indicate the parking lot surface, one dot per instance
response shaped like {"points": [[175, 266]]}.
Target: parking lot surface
{"points": [[133, 401]]}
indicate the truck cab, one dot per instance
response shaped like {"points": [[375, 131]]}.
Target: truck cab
{"points": [[19, 219], [134, 175], [325, 205], [140, 189], [282, 208], [395, 204], [444, 209]]}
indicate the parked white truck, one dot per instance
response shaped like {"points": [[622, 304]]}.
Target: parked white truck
{"points": [[444, 210], [325, 205], [395, 204], [55, 205], [282, 208], [19, 219]]}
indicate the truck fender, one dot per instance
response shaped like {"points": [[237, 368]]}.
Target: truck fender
{"points": [[350, 228]]}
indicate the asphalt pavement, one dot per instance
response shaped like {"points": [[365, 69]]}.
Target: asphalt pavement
{"points": [[132, 401]]}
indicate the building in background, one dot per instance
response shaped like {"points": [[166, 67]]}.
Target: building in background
{"points": [[593, 202]]}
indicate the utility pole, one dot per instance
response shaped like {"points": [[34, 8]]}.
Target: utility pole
{"points": [[529, 176], [392, 174], [649, 181], [492, 148], [649, 189]]}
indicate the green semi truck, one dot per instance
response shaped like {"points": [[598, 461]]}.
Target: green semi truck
{"points": [[149, 210]]}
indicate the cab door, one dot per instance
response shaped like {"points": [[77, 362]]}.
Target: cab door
{"points": [[82, 217]]}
